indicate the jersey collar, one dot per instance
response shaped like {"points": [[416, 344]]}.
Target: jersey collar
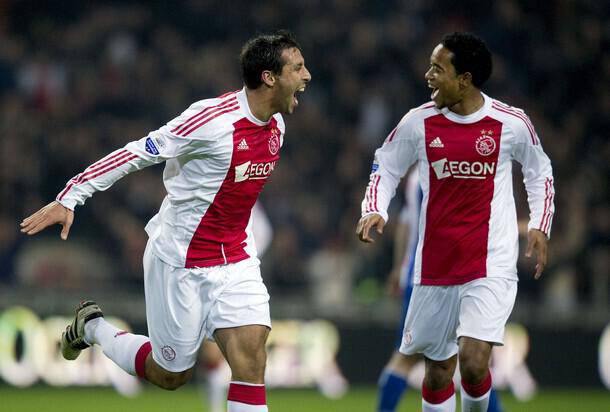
{"points": [[472, 117], [243, 101]]}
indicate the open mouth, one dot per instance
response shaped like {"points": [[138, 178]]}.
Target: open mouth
{"points": [[294, 96], [434, 91]]}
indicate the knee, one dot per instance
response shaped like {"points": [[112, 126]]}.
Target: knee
{"points": [[473, 367], [438, 374], [172, 381], [250, 366]]}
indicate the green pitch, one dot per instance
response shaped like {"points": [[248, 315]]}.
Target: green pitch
{"points": [[359, 399]]}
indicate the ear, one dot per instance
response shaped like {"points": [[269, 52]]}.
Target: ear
{"points": [[465, 80], [268, 78]]}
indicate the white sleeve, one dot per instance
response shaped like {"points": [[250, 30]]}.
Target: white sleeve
{"points": [[158, 146], [537, 176], [392, 160]]}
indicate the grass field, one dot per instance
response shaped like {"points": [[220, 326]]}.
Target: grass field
{"points": [[360, 399]]}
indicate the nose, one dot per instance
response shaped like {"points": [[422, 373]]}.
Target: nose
{"points": [[428, 74], [307, 76]]}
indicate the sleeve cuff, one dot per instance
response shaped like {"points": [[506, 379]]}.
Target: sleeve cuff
{"points": [[384, 215], [531, 226], [67, 203]]}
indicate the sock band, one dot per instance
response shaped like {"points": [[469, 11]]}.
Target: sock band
{"points": [[479, 389], [141, 359], [252, 395], [439, 396]]}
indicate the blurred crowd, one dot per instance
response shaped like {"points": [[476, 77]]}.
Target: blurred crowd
{"points": [[80, 79]]}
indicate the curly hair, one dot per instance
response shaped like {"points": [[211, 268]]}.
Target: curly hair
{"points": [[470, 54]]}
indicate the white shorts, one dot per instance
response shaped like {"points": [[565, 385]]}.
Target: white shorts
{"points": [[439, 315], [185, 306]]}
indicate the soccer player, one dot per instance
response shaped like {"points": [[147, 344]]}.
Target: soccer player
{"points": [[465, 273], [394, 378], [201, 273]]}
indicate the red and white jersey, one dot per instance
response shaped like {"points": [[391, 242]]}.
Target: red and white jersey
{"points": [[218, 157], [468, 222]]}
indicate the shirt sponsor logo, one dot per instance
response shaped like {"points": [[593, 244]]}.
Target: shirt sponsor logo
{"points": [[150, 147], [463, 170], [250, 170]]}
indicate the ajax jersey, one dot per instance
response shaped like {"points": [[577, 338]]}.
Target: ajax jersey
{"points": [[218, 158], [468, 222]]}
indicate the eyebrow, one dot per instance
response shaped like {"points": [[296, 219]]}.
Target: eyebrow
{"points": [[437, 65]]}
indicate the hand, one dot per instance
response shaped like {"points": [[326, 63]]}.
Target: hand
{"points": [[368, 222], [537, 241], [49, 215]]}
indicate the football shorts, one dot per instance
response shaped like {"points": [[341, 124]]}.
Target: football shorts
{"points": [[439, 315], [185, 306]]}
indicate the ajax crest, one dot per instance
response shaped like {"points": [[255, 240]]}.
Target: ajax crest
{"points": [[168, 353], [485, 144], [274, 141]]}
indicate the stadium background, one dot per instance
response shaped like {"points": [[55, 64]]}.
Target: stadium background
{"points": [[79, 79]]}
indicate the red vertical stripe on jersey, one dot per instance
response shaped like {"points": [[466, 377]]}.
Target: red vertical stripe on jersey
{"points": [[461, 182], [221, 234]]}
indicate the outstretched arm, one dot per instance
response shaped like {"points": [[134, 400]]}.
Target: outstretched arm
{"points": [[49, 215]]}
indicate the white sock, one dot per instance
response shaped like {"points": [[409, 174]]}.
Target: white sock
{"points": [[120, 346], [446, 406], [470, 404], [233, 406]]}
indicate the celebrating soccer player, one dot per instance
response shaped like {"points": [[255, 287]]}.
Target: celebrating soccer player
{"points": [[465, 272], [201, 271]]}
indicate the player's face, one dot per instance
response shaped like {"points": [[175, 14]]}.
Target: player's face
{"points": [[292, 80], [443, 79]]}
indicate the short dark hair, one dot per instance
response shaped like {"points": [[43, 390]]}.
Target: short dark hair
{"points": [[264, 52], [470, 54]]}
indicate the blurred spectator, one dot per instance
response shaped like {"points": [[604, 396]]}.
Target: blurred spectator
{"points": [[79, 79]]}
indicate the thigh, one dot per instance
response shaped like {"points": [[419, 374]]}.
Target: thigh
{"points": [[175, 312], [244, 349], [431, 322], [243, 300], [485, 305]]}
